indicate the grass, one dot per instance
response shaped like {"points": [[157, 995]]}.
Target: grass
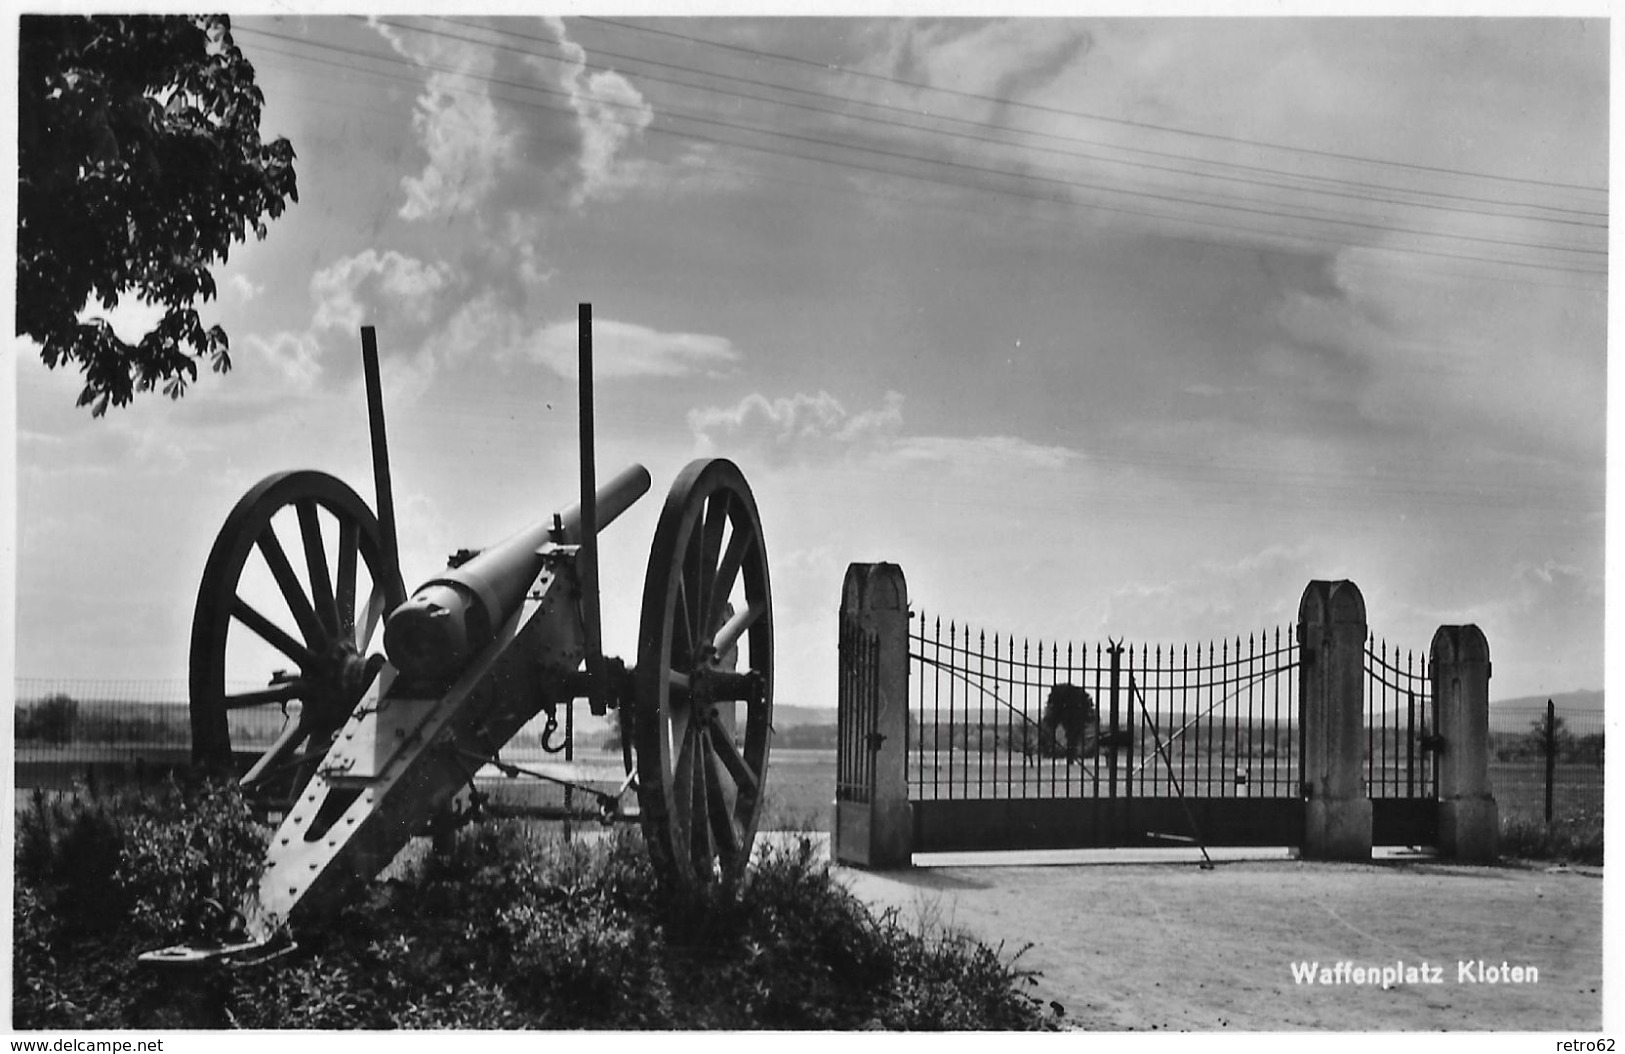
{"points": [[1573, 839], [507, 930]]}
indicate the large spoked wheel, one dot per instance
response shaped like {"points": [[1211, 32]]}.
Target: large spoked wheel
{"points": [[704, 700], [291, 633]]}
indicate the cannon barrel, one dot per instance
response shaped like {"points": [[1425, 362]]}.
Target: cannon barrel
{"points": [[448, 619]]}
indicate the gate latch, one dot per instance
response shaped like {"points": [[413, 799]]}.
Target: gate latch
{"points": [[873, 741]]}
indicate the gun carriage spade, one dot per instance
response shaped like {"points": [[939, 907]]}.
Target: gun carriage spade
{"points": [[379, 742]]}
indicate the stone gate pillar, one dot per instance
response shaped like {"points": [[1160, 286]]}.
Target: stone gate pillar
{"points": [[878, 833], [1331, 666], [1469, 822]]}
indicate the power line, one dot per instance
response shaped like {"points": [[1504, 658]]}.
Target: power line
{"points": [[830, 68], [1008, 191], [849, 190], [1059, 182], [1259, 169]]}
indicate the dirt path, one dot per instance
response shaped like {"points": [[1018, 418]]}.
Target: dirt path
{"points": [[1169, 946]]}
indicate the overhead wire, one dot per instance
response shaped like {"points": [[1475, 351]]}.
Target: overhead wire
{"points": [[1147, 125], [981, 169], [1032, 133]]}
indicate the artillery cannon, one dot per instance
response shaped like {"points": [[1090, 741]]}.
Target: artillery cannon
{"points": [[376, 744]]}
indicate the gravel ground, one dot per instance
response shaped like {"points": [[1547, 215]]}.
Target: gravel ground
{"points": [[1168, 946]]}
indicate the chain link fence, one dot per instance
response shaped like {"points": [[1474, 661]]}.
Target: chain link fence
{"points": [[1546, 763], [107, 734]]}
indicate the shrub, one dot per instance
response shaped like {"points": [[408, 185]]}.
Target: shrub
{"points": [[506, 930], [1576, 838]]}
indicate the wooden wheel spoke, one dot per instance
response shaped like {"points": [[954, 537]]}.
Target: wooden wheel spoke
{"points": [[683, 642], [294, 594], [349, 550], [731, 760], [700, 792], [729, 634], [721, 814], [712, 527], [304, 535], [271, 633], [739, 546], [321, 584], [281, 693], [681, 713], [371, 615], [292, 733], [701, 850], [691, 595]]}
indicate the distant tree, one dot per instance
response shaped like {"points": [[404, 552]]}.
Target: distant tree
{"points": [[139, 163], [52, 719], [1562, 738]]}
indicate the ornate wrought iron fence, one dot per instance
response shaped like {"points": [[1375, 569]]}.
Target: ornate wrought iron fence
{"points": [[859, 690], [1224, 714], [1400, 723]]}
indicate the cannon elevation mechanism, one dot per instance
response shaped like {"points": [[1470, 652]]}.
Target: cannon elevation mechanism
{"points": [[391, 702]]}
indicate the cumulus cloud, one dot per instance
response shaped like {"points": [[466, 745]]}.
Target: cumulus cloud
{"points": [[624, 349], [808, 427], [294, 357], [407, 284], [469, 145], [1002, 59], [982, 452], [468, 148], [244, 289], [790, 427], [611, 115]]}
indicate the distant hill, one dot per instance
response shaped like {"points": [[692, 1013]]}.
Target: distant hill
{"points": [[1514, 715], [1585, 700], [796, 716]]}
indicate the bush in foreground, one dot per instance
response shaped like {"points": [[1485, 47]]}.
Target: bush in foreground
{"points": [[1575, 839], [508, 930]]}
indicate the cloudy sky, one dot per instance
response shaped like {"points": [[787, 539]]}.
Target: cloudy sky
{"points": [[1099, 327]]}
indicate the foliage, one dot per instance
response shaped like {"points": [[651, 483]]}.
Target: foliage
{"points": [[510, 930], [52, 719], [101, 878], [1567, 747], [139, 164], [1575, 838]]}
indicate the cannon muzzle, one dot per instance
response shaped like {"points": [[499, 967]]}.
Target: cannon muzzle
{"points": [[448, 619]]}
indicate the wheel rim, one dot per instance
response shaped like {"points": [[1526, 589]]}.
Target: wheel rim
{"points": [[705, 661], [289, 612]]}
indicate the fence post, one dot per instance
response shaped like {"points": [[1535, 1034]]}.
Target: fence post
{"points": [[1331, 665], [880, 833], [1469, 825], [1551, 755]]}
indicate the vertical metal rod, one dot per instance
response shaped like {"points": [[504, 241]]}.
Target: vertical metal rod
{"points": [[569, 756], [1162, 752], [981, 710], [1226, 721], [1115, 649], [1410, 746], [1275, 724], [1185, 696], [383, 491], [587, 561], [1551, 754]]}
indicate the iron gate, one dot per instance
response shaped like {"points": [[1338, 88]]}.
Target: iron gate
{"points": [[858, 707], [1175, 744], [1401, 728]]}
